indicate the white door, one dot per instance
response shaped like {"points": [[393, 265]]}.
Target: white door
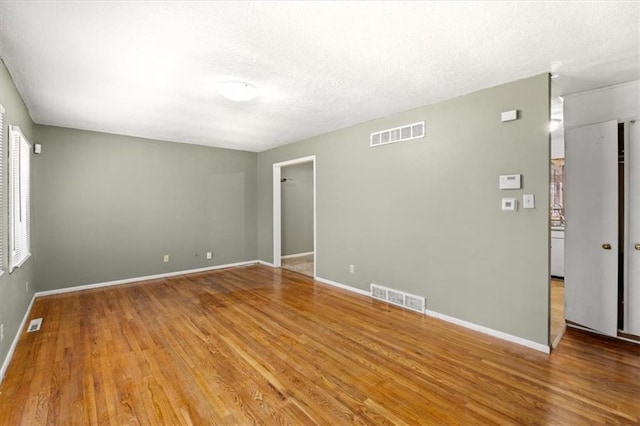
{"points": [[591, 233], [632, 302]]}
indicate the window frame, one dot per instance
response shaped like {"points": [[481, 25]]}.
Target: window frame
{"points": [[19, 198], [2, 180]]}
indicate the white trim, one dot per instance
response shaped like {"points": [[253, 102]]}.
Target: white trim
{"points": [[137, 279], [343, 286], [590, 330], [12, 348], [556, 341], [262, 262], [277, 213], [491, 332], [2, 110], [315, 216], [291, 256], [495, 333], [22, 262], [19, 224], [277, 217], [296, 161]]}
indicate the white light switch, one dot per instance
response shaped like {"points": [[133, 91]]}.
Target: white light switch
{"points": [[528, 201]]}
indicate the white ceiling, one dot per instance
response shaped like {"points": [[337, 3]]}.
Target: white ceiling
{"points": [[151, 69]]}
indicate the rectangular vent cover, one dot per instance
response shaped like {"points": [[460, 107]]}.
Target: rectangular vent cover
{"points": [[34, 325], [406, 300], [398, 134]]}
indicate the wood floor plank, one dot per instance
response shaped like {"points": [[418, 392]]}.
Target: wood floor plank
{"points": [[257, 345]]}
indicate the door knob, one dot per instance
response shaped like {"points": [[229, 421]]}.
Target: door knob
{"points": [[637, 246], [606, 246]]}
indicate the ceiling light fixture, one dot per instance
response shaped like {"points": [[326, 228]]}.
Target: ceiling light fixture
{"points": [[239, 91]]}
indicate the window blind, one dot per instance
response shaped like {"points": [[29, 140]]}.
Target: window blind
{"points": [[1, 188], [19, 198]]}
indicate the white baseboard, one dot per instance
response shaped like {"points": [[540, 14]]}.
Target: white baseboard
{"points": [[462, 323], [291, 256], [556, 341], [137, 279], [12, 348], [343, 286], [262, 262], [490, 331]]}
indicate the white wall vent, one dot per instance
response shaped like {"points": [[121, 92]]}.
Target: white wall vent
{"points": [[34, 325], [406, 300], [398, 134]]}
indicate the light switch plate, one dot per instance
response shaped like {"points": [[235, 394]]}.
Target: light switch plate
{"points": [[528, 201]]}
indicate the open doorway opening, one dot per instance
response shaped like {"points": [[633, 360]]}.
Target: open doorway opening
{"points": [[294, 215], [557, 322], [296, 183]]}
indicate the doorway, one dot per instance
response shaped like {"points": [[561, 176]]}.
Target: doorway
{"points": [[557, 325], [294, 215]]}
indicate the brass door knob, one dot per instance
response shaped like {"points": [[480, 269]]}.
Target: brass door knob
{"points": [[606, 246], [637, 246]]}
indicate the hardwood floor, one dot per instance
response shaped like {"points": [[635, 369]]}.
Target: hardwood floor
{"points": [[302, 264], [257, 345], [558, 324]]}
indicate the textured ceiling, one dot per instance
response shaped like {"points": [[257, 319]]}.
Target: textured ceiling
{"points": [[151, 69]]}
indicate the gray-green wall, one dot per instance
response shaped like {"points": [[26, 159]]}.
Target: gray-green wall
{"points": [[421, 216], [14, 299], [109, 207], [424, 216], [297, 209]]}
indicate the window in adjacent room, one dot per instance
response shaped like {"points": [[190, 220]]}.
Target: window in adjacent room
{"points": [[557, 192], [19, 198], [1, 185]]}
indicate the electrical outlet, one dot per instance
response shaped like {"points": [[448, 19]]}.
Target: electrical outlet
{"points": [[209, 255], [165, 259], [1, 332], [352, 269]]}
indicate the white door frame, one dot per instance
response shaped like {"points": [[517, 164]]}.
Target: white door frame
{"points": [[277, 213]]}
